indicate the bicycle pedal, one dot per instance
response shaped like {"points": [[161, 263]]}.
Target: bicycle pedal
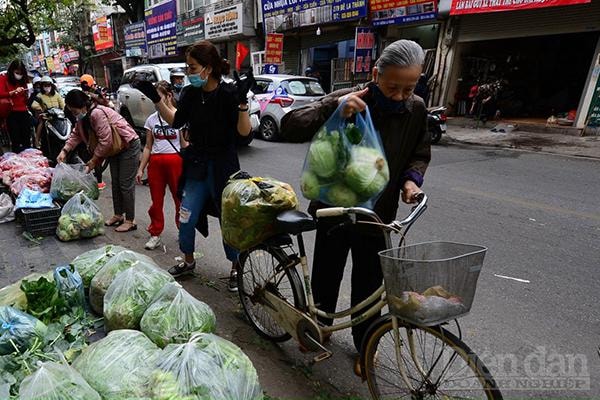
{"points": [[322, 357]]}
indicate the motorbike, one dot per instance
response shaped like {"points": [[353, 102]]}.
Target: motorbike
{"points": [[436, 123], [56, 130]]}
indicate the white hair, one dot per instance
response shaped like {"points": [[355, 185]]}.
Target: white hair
{"points": [[401, 53]]}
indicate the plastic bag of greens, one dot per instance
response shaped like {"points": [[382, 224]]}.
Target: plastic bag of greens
{"points": [[103, 278], [90, 262], [53, 381], [12, 295], [79, 218], [119, 366], [175, 315], [18, 329], [250, 207], [70, 286], [206, 367], [130, 294], [70, 179], [345, 164]]}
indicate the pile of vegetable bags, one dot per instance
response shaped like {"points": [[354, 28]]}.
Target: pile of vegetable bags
{"points": [[79, 218], [250, 206], [70, 179], [28, 169], [345, 164]]}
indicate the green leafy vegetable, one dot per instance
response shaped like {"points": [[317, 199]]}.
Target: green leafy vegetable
{"points": [[18, 330], [353, 133], [43, 299], [367, 172], [90, 262], [54, 381], [322, 158], [309, 184], [341, 195]]}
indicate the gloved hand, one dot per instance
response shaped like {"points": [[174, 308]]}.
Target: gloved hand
{"points": [[244, 85], [148, 89]]}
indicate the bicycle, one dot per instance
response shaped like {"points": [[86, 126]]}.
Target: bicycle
{"points": [[398, 357]]}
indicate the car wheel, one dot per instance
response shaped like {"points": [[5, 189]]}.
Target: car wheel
{"points": [[268, 129]]}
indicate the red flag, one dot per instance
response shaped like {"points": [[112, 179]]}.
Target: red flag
{"points": [[241, 53]]}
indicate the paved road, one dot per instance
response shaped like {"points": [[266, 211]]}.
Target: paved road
{"points": [[538, 214]]}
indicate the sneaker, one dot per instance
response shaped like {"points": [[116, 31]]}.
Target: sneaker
{"points": [[101, 186], [153, 243], [233, 284], [182, 268]]}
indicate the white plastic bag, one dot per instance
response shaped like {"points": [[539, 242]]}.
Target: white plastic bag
{"points": [[53, 381], [90, 262], [79, 218], [7, 209], [70, 179]]}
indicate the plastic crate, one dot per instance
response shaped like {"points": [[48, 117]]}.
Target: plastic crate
{"points": [[41, 221]]}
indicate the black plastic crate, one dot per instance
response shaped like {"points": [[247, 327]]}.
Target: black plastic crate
{"points": [[41, 221]]}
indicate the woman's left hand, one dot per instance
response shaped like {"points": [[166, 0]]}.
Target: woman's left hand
{"points": [[89, 167]]}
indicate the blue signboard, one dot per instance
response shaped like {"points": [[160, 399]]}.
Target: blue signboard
{"points": [[280, 15], [270, 69], [135, 39], [161, 30], [386, 12]]}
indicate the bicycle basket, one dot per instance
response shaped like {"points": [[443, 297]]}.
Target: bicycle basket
{"points": [[433, 282]]}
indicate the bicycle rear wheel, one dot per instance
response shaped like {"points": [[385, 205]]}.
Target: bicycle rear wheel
{"points": [[263, 268], [430, 363]]}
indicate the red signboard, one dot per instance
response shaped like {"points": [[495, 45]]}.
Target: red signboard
{"points": [[274, 48], [103, 34], [460, 7]]}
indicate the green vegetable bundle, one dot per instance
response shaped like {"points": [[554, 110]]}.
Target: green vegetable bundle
{"points": [[345, 164], [103, 278], [70, 179], [54, 381], [90, 262], [119, 366], [175, 315], [206, 367], [80, 218], [18, 329], [130, 294], [250, 207]]}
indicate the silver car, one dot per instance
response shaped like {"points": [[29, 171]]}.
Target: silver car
{"points": [[278, 95]]}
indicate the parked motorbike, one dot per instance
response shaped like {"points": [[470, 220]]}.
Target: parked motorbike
{"points": [[436, 123], [56, 130]]}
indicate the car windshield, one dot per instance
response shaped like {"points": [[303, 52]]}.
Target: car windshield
{"points": [[304, 87]]}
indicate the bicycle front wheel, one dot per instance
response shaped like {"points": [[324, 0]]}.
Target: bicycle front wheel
{"points": [[265, 268], [427, 363]]}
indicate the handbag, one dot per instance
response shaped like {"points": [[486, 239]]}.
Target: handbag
{"points": [[117, 141]]}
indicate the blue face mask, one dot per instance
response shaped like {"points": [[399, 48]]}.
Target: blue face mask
{"points": [[197, 81], [178, 86], [385, 103], [81, 116]]}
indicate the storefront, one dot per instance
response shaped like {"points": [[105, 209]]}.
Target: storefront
{"points": [[539, 61]]}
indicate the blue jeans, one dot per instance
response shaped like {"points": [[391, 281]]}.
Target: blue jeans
{"points": [[196, 195]]}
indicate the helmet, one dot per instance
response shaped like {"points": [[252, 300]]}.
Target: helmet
{"points": [[87, 78], [177, 72], [308, 70], [36, 79], [46, 79]]}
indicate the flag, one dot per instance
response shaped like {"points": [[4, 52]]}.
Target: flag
{"points": [[241, 53]]}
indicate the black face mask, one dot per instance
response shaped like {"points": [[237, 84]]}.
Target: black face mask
{"points": [[385, 103]]}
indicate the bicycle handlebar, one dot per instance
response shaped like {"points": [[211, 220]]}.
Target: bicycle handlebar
{"points": [[331, 212]]}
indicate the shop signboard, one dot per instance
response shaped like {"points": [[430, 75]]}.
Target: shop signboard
{"points": [[50, 64], [461, 7], [270, 69], [161, 30], [224, 22], [386, 12], [135, 39], [280, 15], [71, 55], [364, 42], [274, 48], [593, 119], [103, 34], [190, 27]]}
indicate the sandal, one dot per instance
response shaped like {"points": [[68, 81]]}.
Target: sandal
{"points": [[114, 221], [126, 226]]}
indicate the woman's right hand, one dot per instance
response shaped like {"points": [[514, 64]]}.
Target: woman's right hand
{"points": [[353, 103], [139, 176], [62, 156]]}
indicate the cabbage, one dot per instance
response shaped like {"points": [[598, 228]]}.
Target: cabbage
{"points": [[119, 366], [322, 158], [130, 294], [53, 381], [367, 172], [90, 262], [102, 280], [310, 185], [341, 195], [175, 315]]}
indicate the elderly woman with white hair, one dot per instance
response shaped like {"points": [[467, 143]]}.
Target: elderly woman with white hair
{"points": [[400, 117]]}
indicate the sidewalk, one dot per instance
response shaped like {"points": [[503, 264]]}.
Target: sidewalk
{"points": [[567, 145]]}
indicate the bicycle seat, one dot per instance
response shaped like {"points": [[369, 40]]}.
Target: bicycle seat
{"points": [[295, 222]]}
